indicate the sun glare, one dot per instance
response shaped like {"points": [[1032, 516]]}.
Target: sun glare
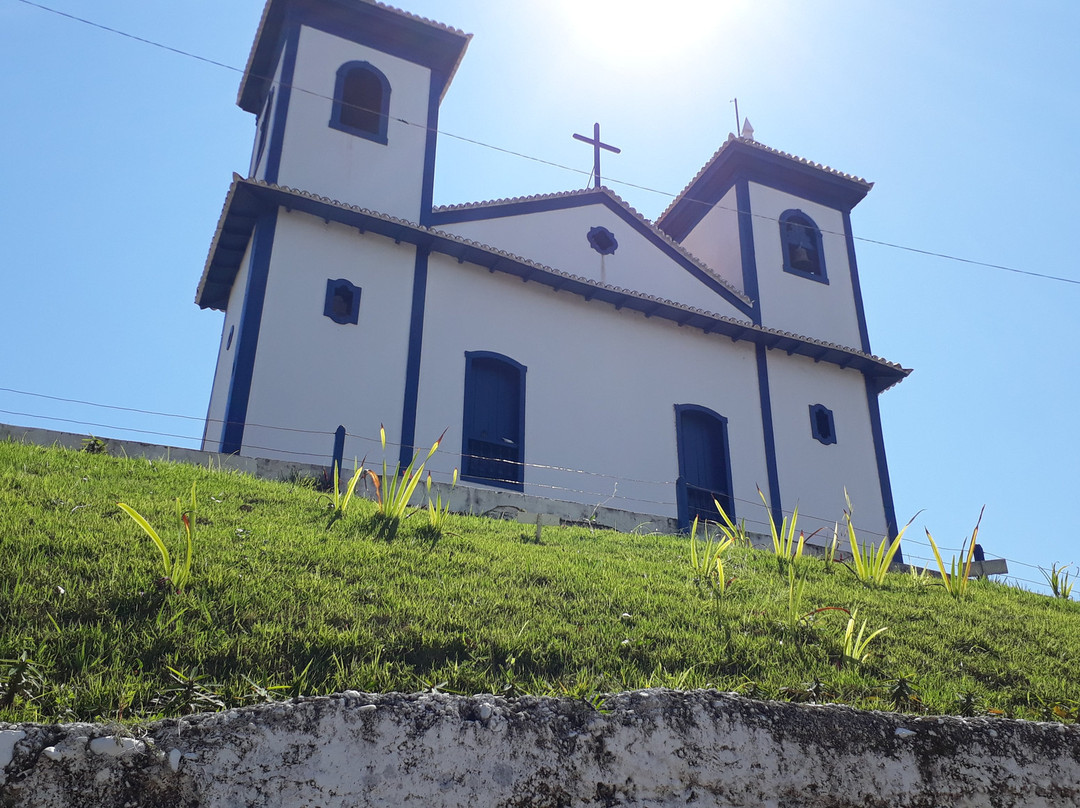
{"points": [[615, 29]]}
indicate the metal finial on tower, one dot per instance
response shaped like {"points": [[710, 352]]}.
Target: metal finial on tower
{"points": [[747, 130]]}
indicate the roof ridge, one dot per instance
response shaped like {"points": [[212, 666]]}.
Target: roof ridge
{"points": [[746, 324], [510, 200], [750, 142], [264, 18], [606, 191], [418, 18]]}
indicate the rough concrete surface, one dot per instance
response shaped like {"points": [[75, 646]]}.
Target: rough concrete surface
{"points": [[645, 748]]}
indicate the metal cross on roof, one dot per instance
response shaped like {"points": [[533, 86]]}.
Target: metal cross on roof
{"points": [[597, 146]]}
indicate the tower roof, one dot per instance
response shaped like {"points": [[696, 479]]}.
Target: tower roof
{"points": [[417, 39], [746, 158]]}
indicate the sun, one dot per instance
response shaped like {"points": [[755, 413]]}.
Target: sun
{"points": [[639, 30]]}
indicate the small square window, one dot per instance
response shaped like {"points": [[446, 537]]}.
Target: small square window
{"points": [[822, 426], [342, 302]]}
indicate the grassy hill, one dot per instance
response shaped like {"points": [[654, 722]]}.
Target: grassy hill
{"points": [[285, 600]]}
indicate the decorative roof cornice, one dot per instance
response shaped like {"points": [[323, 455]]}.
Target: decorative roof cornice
{"points": [[758, 163], [274, 12], [248, 197]]}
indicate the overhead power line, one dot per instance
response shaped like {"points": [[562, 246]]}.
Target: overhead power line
{"points": [[551, 163]]}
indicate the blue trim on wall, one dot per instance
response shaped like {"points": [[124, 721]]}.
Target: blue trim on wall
{"points": [[427, 188], [583, 200], [856, 287], [747, 252], [262, 133], [415, 354], [284, 96], [882, 463], [232, 436], [468, 406], [775, 501], [338, 109], [682, 499], [339, 450], [807, 224]]}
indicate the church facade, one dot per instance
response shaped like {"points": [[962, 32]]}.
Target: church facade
{"points": [[565, 346]]}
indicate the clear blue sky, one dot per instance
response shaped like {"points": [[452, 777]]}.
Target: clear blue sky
{"points": [[117, 156]]}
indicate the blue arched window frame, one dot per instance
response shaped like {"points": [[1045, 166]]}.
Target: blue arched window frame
{"points": [[499, 462], [378, 107], [798, 232], [691, 499]]}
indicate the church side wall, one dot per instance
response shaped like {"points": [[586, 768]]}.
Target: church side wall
{"points": [[715, 240], [797, 304], [558, 238], [601, 388], [342, 166], [814, 475], [219, 393], [312, 373]]}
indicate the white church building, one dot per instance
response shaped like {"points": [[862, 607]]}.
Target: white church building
{"points": [[569, 348]]}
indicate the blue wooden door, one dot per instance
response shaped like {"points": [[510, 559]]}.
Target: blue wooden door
{"points": [[494, 420], [704, 464]]}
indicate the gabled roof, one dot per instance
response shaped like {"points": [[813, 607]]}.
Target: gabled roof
{"points": [[524, 205], [744, 158], [412, 37], [247, 199]]}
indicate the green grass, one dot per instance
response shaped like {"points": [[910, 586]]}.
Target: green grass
{"points": [[284, 600]]}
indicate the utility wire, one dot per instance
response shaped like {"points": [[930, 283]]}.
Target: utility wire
{"points": [[533, 158]]}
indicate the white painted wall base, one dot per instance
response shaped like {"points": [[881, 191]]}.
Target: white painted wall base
{"points": [[649, 748]]}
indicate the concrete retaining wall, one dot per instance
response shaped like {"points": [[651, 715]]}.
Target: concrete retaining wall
{"points": [[648, 748], [464, 498]]}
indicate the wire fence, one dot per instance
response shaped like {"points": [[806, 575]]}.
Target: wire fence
{"points": [[601, 488]]}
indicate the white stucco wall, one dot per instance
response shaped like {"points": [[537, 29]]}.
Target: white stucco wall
{"points": [[558, 239], [314, 374], [219, 392], [329, 162], [647, 749], [715, 240], [601, 387], [814, 474], [793, 303]]}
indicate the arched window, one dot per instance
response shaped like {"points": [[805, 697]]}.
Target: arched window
{"points": [[493, 429], [801, 242], [704, 464], [361, 101]]}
